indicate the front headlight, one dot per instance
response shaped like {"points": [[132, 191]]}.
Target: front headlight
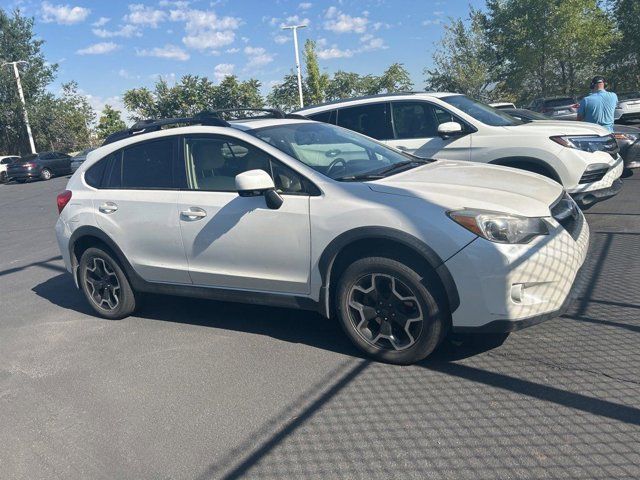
{"points": [[588, 143], [629, 137], [500, 227]]}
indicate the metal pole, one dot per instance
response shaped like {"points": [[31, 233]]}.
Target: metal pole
{"points": [[16, 72], [298, 69]]}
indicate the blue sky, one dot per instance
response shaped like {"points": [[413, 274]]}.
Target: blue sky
{"points": [[110, 46]]}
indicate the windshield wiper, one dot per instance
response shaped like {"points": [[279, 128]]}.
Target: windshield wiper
{"points": [[401, 165], [361, 176]]}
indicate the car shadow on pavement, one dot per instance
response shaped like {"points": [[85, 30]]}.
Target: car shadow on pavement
{"points": [[289, 325]]}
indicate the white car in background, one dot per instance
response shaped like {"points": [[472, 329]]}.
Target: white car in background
{"points": [[628, 107], [289, 212], [4, 162], [582, 157]]}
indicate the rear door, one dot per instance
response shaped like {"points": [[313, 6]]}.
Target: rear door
{"points": [[415, 124], [137, 207]]}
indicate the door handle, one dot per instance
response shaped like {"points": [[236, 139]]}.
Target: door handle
{"points": [[108, 207], [193, 213]]}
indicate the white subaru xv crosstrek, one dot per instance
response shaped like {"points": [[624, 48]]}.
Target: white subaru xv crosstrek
{"points": [[583, 157], [291, 212]]}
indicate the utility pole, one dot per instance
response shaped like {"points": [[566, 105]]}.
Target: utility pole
{"points": [[16, 73], [295, 28]]}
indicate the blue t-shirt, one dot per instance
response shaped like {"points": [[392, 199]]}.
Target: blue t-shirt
{"points": [[599, 107]]}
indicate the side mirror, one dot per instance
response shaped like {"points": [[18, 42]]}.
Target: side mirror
{"points": [[253, 183], [449, 129]]}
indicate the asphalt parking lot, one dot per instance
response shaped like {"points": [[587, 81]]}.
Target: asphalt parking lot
{"points": [[197, 389]]}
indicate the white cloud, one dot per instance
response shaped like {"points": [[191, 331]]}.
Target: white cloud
{"points": [[223, 70], [232, 50], [205, 30], [98, 103], [368, 43], [281, 39], [63, 14], [143, 15], [305, 5], [428, 22], [101, 22], [169, 51], [339, 22], [126, 31], [98, 48], [258, 57]]}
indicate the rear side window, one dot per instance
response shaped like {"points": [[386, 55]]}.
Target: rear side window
{"points": [[372, 120], [93, 176], [326, 117], [149, 165]]}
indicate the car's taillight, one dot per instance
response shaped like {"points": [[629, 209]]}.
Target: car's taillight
{"points": [[28, 165], [62, 200]]}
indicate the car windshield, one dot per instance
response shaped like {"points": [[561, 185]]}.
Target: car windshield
{"points": [[336, 152], [559, 102], [481, 112], [628, 95]]}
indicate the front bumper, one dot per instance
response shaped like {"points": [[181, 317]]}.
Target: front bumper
{"points": [[504, 288], [590, 198]]}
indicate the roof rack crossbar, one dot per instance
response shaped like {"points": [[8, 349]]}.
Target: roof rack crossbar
{"points": [[151, 125], [273, 112]]}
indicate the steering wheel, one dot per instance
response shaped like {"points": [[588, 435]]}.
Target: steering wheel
{"points": [[334, 164]]}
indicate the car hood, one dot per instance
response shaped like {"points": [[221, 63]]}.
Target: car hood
{"points": [[559, 127], [457, 184]]}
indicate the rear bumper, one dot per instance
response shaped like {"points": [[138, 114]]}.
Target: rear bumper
{"points": [[23, 174]]}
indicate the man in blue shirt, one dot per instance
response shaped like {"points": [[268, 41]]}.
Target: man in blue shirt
{"points": [[599, 107]]}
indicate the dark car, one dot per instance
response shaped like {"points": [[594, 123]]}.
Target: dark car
{"points": [[80, 158], [628, 138], [43, 165], [556, 108]]}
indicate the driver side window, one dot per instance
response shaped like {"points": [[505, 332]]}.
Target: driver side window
{"points": [[212, 163]]}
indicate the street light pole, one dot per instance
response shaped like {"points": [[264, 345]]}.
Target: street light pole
{"points": [[295, 28], [16, 73]]}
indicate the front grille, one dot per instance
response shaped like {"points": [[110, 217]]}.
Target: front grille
{"points": [[566, 213], [591, 176]]}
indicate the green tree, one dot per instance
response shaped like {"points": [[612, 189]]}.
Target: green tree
{"points": [[623, 61], [285, 95], [64, 123], [192, 95], [464, 61], [343, 85], [396, 78], [110, 122], [18, 42], [316, 82], [547, 47]]}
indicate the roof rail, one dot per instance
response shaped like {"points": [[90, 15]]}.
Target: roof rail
{"points": [[151, 125], [365, 97]]}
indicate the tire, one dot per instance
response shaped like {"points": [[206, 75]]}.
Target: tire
{"points": [[46, 174], [99, 268], [3, 177], [373, 326]]}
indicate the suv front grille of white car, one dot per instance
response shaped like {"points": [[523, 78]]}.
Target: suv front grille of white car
{"points": [[591, 176]]}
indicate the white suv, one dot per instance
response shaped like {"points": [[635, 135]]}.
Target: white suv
{"points": [[582, 157], [290, 212]]}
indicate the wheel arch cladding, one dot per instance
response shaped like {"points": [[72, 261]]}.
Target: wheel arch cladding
{"points": [[531, 162], [387, 242], [88, 236]]}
